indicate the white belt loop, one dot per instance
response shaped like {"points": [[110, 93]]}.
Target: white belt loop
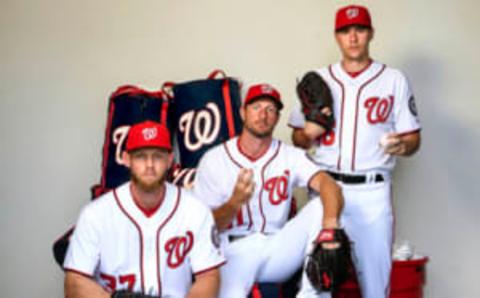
{"points": [[370, 177]]}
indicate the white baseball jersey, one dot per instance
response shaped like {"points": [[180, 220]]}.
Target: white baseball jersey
{"points": [[275, 248], [122, 247], [276, 172], [366, 107]]}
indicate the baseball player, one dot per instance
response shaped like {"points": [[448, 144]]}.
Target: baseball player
{"points": [[375, 121], [248, 183], [147, 237]]}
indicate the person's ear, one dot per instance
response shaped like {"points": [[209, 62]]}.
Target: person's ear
{"points": [[372, 34], [170, 159], [242, 112]]}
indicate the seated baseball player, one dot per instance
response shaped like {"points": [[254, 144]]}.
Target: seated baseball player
{"points": [[248, 182], [147, 237]]}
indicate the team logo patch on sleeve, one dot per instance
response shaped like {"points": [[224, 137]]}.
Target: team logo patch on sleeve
{"points": [[412, 106]]}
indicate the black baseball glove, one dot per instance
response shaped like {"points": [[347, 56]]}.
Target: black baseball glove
{"points": [[330, 263], [128, 294], [315, 95]]}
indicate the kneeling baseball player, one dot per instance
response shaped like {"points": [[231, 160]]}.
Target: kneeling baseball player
{"points": [[147, 237], [248, 182]]}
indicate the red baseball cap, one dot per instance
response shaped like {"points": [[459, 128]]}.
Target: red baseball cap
{"points": [[259, 91], [352, 15], [148, 134]]}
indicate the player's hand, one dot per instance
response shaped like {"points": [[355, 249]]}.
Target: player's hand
{"points": [[244, 187], [313, 130], [393, 144], [327, 111]]}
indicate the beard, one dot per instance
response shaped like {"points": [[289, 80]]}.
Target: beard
{"points": [[148, 186], [261, 134]]}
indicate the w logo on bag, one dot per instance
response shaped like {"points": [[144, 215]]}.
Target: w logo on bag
{"points": [[204, 113], [119, 137], [201, 127]]}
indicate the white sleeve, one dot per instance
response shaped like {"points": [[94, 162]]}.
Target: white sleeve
{"points": [[303, 167], [206, 253], [405, 110], [83, 252], [296, 118], [206, 177]]}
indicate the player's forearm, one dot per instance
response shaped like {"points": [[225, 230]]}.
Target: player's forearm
{"points": [[332, 201], [224, 214], [331, 197], [300, 139], [79, 286], [412, 143], [206, 285]]}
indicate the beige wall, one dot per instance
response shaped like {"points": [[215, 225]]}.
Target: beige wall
{"points": [[59, 61]]}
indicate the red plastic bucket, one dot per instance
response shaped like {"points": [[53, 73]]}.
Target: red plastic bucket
{"points": [[407, 280]]}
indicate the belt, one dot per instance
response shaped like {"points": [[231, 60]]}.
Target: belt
{"points": [[354, 179], [232, 238]]}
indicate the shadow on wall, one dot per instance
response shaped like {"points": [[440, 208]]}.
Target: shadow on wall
{"points": [[450, 147], [436, 191]]}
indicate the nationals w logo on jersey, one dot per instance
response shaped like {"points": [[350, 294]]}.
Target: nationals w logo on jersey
{"points": [[379, 109], [277, 188], [200, 127], [177, 249]]}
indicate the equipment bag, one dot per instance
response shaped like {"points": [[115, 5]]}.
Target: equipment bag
{"points": [[128, 105], [203, 113]]}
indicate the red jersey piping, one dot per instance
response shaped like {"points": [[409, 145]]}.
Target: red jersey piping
{"points": [[139, 232], [354, 143]]}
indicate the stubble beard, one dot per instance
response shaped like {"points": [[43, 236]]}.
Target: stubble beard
{"points": [[148, 187], [259, 134]]}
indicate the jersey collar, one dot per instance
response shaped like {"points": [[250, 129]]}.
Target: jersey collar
{"points": [[360, 79]]}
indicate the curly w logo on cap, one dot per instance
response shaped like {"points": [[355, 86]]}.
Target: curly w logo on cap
{"points": [[148, 134]]}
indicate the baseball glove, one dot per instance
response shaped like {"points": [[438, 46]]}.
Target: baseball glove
{"points": [[330, 263], [128, 294], [315, 95]]}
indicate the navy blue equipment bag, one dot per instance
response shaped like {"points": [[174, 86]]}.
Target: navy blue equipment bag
{"points": [[128, 105], [203, 113]]}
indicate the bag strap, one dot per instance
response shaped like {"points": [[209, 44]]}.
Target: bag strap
{"points": [[214, 74], [134, 90], [167, 89], [164, 110], [226, 99], [228, 108]]}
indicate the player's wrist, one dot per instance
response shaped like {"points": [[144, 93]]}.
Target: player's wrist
{"points": [[234, 204], [330, 223]]}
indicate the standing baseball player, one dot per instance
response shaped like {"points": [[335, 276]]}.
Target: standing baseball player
{"points": [[248, 183], [147, 237], [375, 121]]}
